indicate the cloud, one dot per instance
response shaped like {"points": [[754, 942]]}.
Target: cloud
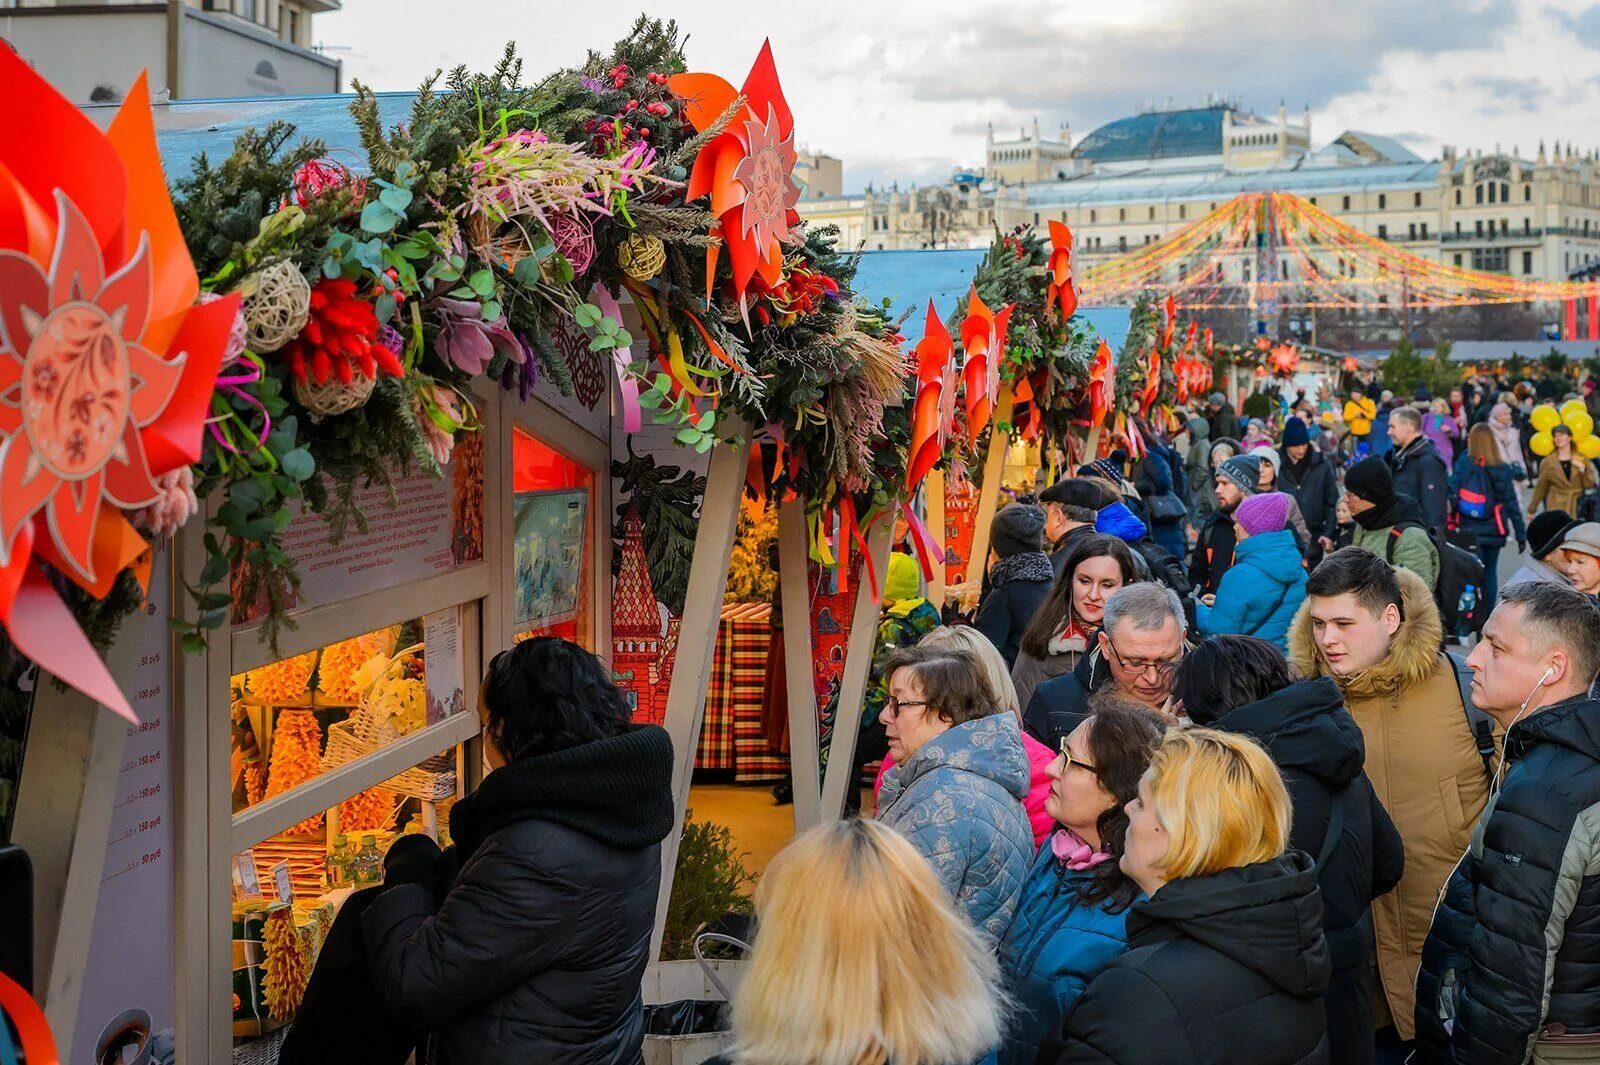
{"points": [[1584, 25], [1507, 95]]}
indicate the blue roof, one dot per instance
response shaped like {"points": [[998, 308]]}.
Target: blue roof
{"points": [[185, 128], [908, 279], [1160, 135], [1221, 186]]}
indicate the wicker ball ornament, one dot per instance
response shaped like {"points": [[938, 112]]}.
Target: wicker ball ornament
{"points": [[277, 302], [333, 396], [642, 256], [574, 239]]}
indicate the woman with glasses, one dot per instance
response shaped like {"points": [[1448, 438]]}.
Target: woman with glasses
{"points": [[1063, 628], [538, 947], [1243, 685], [1072, 918], [959, 779], [1226, 959]]}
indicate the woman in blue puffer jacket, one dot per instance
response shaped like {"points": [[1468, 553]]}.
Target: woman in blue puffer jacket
{"points": [[1070, 922], [1266, 584]]}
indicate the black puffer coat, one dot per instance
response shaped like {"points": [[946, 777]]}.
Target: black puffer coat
{"points": [[1060, 704], [538, 950], [1221, 970], [1018, 586], [1312, 484], [1515, 945], [1318, 746], [1213, 553]]}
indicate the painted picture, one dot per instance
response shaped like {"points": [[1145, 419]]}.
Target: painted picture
{"points": [[548, 536]]}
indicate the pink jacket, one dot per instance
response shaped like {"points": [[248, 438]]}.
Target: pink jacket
{"points": [[1039, 759]]}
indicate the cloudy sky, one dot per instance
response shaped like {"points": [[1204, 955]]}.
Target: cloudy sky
{"points": [[904, 89]]}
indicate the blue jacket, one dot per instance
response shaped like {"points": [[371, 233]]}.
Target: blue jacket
{"points": [[1260, 592], [1054, 947], [958, 799]]}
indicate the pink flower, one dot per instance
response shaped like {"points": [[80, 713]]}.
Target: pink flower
{"points": [[176, 505]]}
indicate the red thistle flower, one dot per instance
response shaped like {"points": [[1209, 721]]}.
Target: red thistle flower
{"points": [[340, 337]]}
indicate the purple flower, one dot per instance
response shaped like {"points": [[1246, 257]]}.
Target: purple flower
{"points": [[466, 341], [594, 85]]}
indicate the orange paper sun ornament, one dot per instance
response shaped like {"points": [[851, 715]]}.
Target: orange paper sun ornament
{"points": [[107, 365], [747, 170], [935, 408], [1060, 270]]}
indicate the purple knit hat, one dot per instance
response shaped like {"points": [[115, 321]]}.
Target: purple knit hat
{"points": [[1263, 513]]}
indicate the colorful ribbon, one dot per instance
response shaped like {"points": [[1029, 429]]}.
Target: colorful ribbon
{"points": [[232, 385], [621, 360]]}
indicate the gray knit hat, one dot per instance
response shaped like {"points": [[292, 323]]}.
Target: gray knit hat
{"points": [[1243, 472]]}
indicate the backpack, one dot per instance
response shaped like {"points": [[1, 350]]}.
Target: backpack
{"points": [[1459, 593], [1475, 495], [1478, 722]]}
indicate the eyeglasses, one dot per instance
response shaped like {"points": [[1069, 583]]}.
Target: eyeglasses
{"points": [[895, 705], [1163, 668], [1074, 760]]}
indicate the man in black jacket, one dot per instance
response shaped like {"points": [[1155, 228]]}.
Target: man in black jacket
{"points": [[1213, 550], [1224, 420], [1308, 476], [1136, 651], [1070, 508], [1511, 966], [1419, 469]]}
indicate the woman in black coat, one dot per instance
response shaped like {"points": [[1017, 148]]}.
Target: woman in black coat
{"points": [[1226, 959], [1483, 494], [538, 949], [1018, 582], [1241, 684]]}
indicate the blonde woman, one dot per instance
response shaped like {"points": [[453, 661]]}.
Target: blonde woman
{"points": [[879, 968], [966, 640], [1226, 959]]}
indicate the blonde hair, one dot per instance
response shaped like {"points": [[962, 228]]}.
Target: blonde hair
{"points": [[1481, 444], [964, 639], [860, 958], [1221, 800]]}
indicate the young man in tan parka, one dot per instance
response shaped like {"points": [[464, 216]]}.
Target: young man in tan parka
{"points": [[1376, 631]]}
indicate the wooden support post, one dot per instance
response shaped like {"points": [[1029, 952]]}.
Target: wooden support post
{"points": [[795, 586], [857, 674], [63, 817], [697, 643], [933, 516], [989, 491]]}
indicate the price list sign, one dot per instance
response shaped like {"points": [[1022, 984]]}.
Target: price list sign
{"points": [[131, 948]]}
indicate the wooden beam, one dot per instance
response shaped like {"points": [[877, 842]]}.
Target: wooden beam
{"points": [[989, 490], [933, 517], [857, 673], [63, 818], [795, 586], [697, 642]]}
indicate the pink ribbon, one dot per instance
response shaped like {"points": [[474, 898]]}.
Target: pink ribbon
{"points": [[230, 384], [621, 358], [923, 540]]}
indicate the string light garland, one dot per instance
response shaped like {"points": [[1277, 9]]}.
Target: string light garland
{"points": [[1334, 265]]}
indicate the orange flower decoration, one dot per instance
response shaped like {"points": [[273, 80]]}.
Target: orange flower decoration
{"points": [[1060, 270], [748, 170], [983, 338], [106, 363], [934, 411]]}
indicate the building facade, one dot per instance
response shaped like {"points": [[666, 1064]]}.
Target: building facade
{"points": [[1138, 180], [193, 49]]}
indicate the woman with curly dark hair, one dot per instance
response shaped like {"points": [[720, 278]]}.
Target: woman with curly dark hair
{"points": [[538, 948], [1072, 918]]}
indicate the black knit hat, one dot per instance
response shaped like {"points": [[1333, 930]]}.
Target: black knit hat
{"points": [[1295, 433], [1370, 479], [1546, 532], [1017, 530]]}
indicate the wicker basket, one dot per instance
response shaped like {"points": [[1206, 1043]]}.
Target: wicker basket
{"points": [[365, 731]]}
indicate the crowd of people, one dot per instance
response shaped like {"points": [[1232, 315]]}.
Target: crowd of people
{"points": [[1246, 755]]}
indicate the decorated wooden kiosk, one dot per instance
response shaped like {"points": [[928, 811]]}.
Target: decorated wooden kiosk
{"points": [[295, 435]]}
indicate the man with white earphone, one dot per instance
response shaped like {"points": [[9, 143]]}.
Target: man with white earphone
{"points": [[1511, 967]]}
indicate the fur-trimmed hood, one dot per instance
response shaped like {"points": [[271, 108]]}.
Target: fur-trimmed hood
{"points": [[1413, 656]]}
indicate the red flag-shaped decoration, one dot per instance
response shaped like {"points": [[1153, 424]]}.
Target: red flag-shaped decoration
{"points": [[983, 338], [1060, 270], [931, 414], [1102, 373], [1169, 321]]}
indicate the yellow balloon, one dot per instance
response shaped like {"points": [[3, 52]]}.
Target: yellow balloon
{"points": [[1544, 418], [1542, 444], [1581, 424], [1570, 406], [1589, 447]]}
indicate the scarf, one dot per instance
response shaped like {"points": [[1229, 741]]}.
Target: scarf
{"points": [[1071, 848], [1384, 515], [1028, 567], [1074, 639]]}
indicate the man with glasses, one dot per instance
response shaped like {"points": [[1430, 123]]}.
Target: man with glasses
{"points": [[1140, 643]]}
